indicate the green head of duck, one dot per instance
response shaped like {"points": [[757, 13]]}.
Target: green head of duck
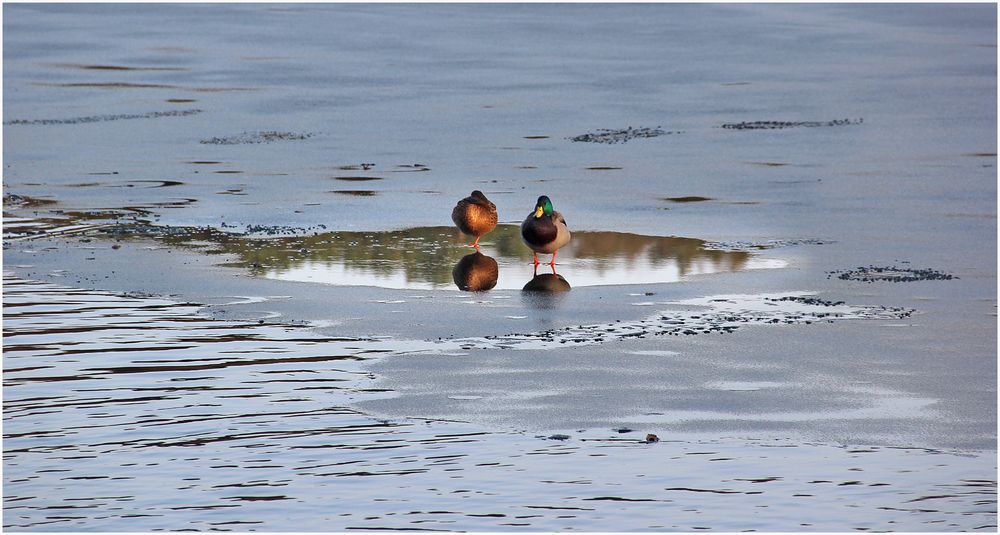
{"points": [[543, 206]]}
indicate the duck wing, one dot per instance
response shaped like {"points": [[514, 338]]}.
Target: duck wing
{"points": [[558, 217]]}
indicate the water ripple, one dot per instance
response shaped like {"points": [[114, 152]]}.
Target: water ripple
{"points": [[137, 413]]}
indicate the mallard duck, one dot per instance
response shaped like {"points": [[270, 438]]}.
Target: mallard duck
{"points": [[545, 230], [475, 215]]}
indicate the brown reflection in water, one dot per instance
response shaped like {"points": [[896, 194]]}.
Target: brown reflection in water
{"points": [[547, 282], [126, 85], [109, 85], [428, 255], [690, 198], [605, 248], [545, 291], [356, 192], [768, 164], [24, 201], [115, 67], [476, 272]]}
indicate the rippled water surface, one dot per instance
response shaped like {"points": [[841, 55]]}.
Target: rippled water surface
{"points": [[182, 422]]}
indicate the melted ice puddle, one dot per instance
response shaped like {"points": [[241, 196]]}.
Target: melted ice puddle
{"points": [[437, 258]]}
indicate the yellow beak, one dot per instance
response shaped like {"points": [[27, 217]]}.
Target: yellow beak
{"points": [[539, 211]]}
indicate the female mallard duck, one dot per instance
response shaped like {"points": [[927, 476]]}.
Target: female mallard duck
{"points": [[545, 230], [475, 215]]}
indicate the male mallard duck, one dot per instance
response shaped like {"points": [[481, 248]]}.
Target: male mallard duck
{"points": [[475, 215], [545, 230]]}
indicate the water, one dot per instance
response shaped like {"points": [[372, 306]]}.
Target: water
{"points": [[232, 290], [437, 258], [180, 422]]}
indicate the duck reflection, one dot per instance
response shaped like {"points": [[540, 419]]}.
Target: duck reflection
{"points": [[545, 291], [547, 282], [475, 272]]}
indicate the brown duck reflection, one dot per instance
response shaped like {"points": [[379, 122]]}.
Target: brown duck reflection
{"points": [[547, 282], [426, 257], [476, 272]]}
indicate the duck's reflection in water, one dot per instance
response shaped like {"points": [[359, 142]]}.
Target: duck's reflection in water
{"points": [[475, 272], [547, 282], [545, 290]]}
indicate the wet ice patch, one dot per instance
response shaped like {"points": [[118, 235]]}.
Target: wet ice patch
{"points": [[251, 299], [781, 125], [251, 138], [746, 245], [743, 386], [890, 274], [105, 117], [608, 136], [715, 314]]}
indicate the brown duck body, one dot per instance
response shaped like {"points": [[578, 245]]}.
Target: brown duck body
{"points": [[545, 234], [475, 215]]}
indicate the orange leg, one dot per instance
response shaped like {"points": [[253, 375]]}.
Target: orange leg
{"points": [[475, 243], [553, 262], [536, 258]]}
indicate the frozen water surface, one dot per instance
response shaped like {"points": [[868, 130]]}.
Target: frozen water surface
{"points": [[230, 297]]}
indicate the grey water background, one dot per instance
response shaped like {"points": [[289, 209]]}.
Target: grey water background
{"points": [[878, 424]]}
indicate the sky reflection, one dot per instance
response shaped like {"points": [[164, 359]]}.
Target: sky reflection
{"points": [[436, 258]]}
